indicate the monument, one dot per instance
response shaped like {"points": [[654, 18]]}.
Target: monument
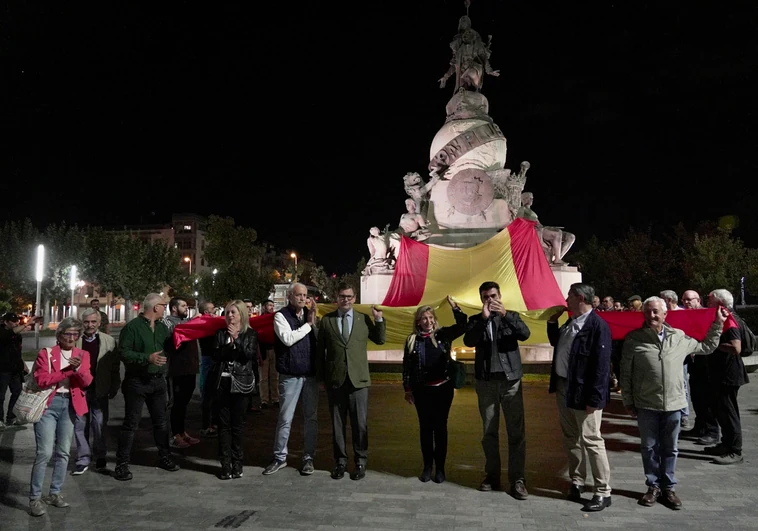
{"points": [[470, 195]]}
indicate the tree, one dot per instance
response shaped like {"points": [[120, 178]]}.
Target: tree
{"points": [[236, 256], [18, 241], [719, 262]]}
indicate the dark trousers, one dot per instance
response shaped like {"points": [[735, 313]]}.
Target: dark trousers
{"points": [[433, 407], [183, 386], [342, 400], [14, 381], [209, 407], [700, 393], [137, 392], [253, 399], [231, 409], [728, 415]]}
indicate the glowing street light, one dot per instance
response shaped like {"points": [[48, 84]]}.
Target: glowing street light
{"points": [[294, 277], [72, 285], [189, 261], [39, 273]]}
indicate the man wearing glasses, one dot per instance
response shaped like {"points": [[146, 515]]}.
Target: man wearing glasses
{"points": [[141, 342], [342, 357]]}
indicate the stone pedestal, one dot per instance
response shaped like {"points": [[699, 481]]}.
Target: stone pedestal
{"points": [[375, 287], [460, 238], [565, 276]]}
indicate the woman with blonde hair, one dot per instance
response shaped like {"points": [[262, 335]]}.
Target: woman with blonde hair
{"points": [[427, 385], [235, 352]]}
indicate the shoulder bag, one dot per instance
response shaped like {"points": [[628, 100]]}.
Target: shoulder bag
{"points": [[32, 402]]}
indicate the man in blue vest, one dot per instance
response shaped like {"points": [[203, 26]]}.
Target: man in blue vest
{"points": [[295, 348]]}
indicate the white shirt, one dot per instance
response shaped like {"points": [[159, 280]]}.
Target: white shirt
{"points": [[63, 385], [285, 333], [563, 348]]}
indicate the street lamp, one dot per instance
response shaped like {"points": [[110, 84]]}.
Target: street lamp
{"points": [[214, 276], [38, 276], [189, 261], [72, 285], [294, 277]]}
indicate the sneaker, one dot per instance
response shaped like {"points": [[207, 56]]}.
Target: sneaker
{"points": [[273, 467], [79, 470], [36, 507], [122, 472], [189, 439], [177, 441], [2, 425], [237, 470], [307, 469], [56, 500], [728, 459], [209, 433], [101, 464], [167, 463]]}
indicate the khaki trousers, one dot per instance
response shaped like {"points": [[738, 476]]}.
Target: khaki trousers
{"points": [[581, 431]]}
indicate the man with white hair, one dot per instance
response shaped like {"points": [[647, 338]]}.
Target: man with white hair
{"points": [[652, 384], [295, 347], [727, 373]]}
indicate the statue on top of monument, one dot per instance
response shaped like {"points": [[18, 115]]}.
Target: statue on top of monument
{"points": [[471, 58], [419, 191], [555, 241]]}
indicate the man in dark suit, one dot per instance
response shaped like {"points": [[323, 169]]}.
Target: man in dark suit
{"points": [[579, 376], [342, 355], [495, 332]]}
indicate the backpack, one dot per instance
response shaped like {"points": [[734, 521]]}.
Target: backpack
{"points": [[747, 337]]}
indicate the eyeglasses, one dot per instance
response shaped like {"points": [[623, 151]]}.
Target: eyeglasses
{"points": [[345, 297], [70, 335]]}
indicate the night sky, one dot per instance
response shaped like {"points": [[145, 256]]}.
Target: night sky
{"points": [[301, 121]]}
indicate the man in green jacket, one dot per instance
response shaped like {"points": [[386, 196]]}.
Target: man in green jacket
{"points": [[342, 358], [142, 341], [652, 384]]}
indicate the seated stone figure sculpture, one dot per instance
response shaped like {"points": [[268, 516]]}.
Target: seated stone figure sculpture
{"points": [[381, 259], [412, 223], [555, 241]]}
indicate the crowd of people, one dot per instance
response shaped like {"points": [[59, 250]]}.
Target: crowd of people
{"points": [[308, 351]]}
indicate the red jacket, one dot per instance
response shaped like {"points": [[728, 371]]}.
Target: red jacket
{"points": [[78, 380]]}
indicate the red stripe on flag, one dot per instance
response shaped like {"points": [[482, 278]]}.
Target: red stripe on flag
{"points": [[694, 323], [538, 285], [205, 325], [409, 281]]}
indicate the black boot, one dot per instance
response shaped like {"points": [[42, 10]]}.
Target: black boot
{"points": [[439, 476], [226, 471], [426, 474]]}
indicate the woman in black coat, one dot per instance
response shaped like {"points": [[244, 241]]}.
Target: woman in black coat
{"points": [[235, 352]]}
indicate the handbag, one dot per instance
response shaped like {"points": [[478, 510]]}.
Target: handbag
{"points": [[456, 371], [243, 377], [32, 402]]}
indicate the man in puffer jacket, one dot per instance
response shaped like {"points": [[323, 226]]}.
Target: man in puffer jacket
{"points": [[652, 384]]}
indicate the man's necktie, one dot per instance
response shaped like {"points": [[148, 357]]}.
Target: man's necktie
{"points": [[345, 328]]}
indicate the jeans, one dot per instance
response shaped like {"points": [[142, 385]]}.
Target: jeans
{"points": [[433, 407], [53, 432], [183, 388], [93, 422], [231, 423], [659, 434], [206, 363], [508, 395], [137, 392], [290, 390], [14, 380]]}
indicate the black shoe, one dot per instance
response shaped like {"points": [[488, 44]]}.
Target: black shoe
{"points": [[226, 472], [307, 469], [339, 471], [122, 472], [518, 490], [237, 470], [439, 476], [264, 405], [167, 463], [489, 483], [575, 492], [358, 473], [598, 503], [719, 449], [707, 440], [426, 475], [101, 464]]}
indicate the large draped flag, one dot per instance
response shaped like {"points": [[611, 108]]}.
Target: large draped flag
{"points": [[206, 325], [694, 323], [427, 274]]}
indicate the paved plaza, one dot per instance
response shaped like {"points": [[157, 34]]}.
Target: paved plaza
{"points": [[390, 497]]}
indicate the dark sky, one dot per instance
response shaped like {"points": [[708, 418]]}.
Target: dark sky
{"points": [[300, 118]]}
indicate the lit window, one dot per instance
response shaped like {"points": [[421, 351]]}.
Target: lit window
{"points": [[188, 227]]}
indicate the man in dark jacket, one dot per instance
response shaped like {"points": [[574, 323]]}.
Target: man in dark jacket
{"points": [[579, 377], [12, 366], [497, 367]]}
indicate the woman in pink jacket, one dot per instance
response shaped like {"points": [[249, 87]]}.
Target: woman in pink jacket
{"points": [[70, 374]]}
